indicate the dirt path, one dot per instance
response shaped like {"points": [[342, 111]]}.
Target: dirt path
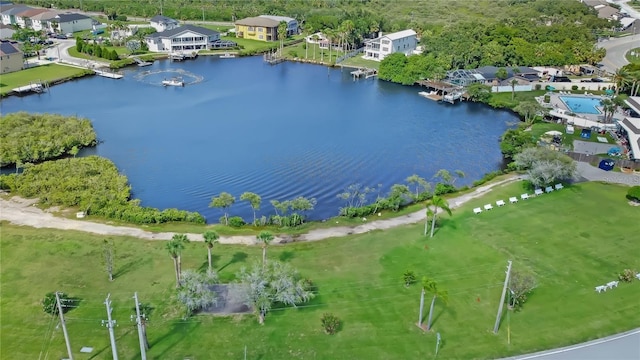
{"points": [[20, 211]]}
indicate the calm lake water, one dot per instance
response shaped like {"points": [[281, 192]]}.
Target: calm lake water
{"points": [[280, 131]]}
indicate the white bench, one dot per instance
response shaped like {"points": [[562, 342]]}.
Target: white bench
{"points": [[488, 207], [612, 284], [513, 199], [601, 288], [500, 203], [559, 186], [548, 189], [524, 196], [477, 211], [638, 276], [539, 192]]}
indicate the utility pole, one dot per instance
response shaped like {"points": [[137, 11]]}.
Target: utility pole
{"points": [[110, 324], [64, 326], [504, 290], [143, 351]]}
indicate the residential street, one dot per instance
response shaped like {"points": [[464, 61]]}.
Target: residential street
{"points": [[616, 49]]}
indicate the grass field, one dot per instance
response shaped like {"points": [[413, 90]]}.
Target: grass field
{"points": [[635, 58], [45, 73], [539, 129], [572, 240]]}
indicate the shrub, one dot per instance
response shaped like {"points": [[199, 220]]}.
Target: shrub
{"points": [[441, 189], [487, 177], [547, 99], [330, 323], [293, 53], [50, 306], [634, 193], [409, 278], [574, 87], [538, 87], [121, 18], [627, 275], [236, 221]]}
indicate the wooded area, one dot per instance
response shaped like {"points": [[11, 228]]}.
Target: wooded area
{"points": [[31, 138]]}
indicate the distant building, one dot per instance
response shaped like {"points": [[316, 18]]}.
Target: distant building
{"points": [[70, 23], [23, 18], [630, 127], [163, 23], [257, 28], [9, 12], [292, 24], [404, 42], [6, 31], [183, 38], [11, 58], [486, 75], [43, 20]]}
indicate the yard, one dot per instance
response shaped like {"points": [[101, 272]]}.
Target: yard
{"points": [[44, 73], [359, 279], [633, 55], [538, 129]]}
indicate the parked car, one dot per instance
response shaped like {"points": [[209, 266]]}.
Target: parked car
{"points": [[596, 80], [586, 80], [560, 79]]}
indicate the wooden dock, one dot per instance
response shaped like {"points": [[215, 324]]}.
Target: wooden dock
{"points": [[38, 87], [367, 73], [141, 63], [108, 74], [272, 58]]}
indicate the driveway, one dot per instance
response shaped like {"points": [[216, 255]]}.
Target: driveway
{"points": [[60, 51], [592, 173], [616, 50], [624, 346], [591, 148]]}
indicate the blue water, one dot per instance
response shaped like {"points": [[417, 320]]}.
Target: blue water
{"points": [[280, 131], [581, 105]]}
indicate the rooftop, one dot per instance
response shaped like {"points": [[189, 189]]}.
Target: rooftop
{"points": [[28, 13], [65, 17], [258, 21], [632, 126], [185, 28], [161, 19], [278, 18], [13, 9], [47, 15], [8, 47]]}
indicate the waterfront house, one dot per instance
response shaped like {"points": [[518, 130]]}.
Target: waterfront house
{"points": [[9, 13], [6, 31], [70, 23], [23, 18], [183, 38], [163, 23], [42, 21], [257, 28], [293, 28], [404, 42], [11, 58], [630, 126]]}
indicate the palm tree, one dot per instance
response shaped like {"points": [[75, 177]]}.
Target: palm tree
{"points": [[308, 29], [513, 83], [282, 34], [175, 247], [210, 238], [265, 237], [436, 202], [315, 39], [431, 287], [620, 78]]}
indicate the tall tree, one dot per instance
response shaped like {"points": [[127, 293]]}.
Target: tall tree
{"points": [[265, 237], [175, 247], [432, 287], [620, 78], [420, 184], [195, 291], [434, 204], [223, 201], [513, 84], [282, 35], [254, 199], [501, 75], [109, 254], [315, 39], [528, 110], [210, 238]]}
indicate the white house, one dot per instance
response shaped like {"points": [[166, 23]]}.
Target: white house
{"points": [[162, 23], [292, 24], [43, 20], [10, 11], [71, 22], [6, 32], [183, 38], [404, 41], [23, 19]]}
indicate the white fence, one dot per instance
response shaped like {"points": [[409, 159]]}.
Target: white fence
{"points": [[592, 86], [508, 88]]}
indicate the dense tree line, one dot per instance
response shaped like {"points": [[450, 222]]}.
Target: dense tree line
{"points": [[31, 138], [91, 184], [96, 50]]}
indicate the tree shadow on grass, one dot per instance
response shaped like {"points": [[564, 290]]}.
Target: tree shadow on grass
{"points": [[441, 311], [126, 268], [179, 331], [108, 347], [205, 265], [286, 256], [239, 256]]}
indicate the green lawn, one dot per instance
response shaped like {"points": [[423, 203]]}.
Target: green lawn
{"points": [[45, 73], [570, 251], [635, 58], [539, 129]]}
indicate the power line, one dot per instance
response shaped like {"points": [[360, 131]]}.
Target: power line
{"points": [[110, 324], [64, 326]]}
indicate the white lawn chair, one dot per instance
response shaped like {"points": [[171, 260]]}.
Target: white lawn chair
{"points": [[559, 186], [539, 192], [548, 189], [638, 276], [488, 207], [601, 288], [500, 202], [513, 199], [524, 196], [477, 211], [612, 284]]}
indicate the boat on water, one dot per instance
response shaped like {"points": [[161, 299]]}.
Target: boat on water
{"points": [[176, 81], [227, 56], [426, 94]]}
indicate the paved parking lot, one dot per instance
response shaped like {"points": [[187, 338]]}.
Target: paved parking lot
{"points": [[591, 148]]}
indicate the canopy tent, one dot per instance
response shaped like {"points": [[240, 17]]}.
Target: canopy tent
{"points": [[606, 164], [553, 133], [585, 134], [609, 92], [614, 151]]}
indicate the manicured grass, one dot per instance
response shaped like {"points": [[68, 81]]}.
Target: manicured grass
{"points": [[44, 73], [633, 58], [251, 45], [539, 129], [360, 62], [572, 240]]}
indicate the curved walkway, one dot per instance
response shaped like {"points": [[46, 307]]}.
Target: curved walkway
{"points": [[624, 346], [20, 211]]}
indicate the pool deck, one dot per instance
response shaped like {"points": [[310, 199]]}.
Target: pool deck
{"points": [[559, 109]]}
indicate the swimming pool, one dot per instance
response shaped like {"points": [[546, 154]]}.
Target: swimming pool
{"points": [[581, 105]]}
